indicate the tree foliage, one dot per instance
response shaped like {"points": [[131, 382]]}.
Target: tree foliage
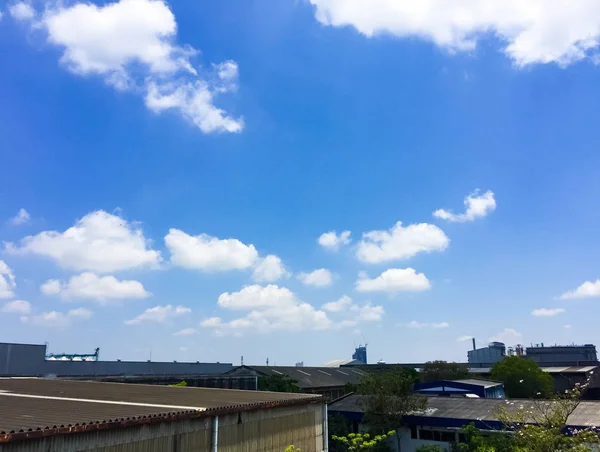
{"points": [[443, 370], [387, 397], [362, 441], [522, 378], [277, 383], [430, 448], [534, 426]]}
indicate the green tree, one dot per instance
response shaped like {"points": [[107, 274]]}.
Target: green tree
{"points": [[387, 397], [362, 441], [443, 370], [430, 448], [522, 378], [277, 383]]}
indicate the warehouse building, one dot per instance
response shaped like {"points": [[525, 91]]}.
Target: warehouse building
{"points": [[484, 389], [329, 382], [32, 360], [444, 419], [56, 415]]}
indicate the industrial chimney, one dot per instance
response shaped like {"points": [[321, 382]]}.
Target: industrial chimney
{"points": [[474, 348]]}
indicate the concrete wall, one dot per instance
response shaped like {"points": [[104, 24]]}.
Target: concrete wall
{"points": [[30, 360], [269, 430]]}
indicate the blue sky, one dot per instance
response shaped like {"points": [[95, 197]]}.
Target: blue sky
{"points": [[178, 162]]}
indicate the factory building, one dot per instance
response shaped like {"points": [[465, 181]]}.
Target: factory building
{"points": [[41, 415], [484, 389], [557, 354], [444, 419], [330, 382], [494, 352], [27, 360]]}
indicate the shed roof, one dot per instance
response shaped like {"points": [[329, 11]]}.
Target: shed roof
{"points": [[32, 404], [465, 410], [310, 377]]}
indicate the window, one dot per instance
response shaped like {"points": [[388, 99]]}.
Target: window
{"points": [[426, 434], [413, 432], [448, 437]]}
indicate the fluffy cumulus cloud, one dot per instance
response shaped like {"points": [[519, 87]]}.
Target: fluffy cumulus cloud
{"points": [[317, 278], [394, 280], [420, 325], [587, 290], [545, 312], [93, 287], [100, 242], [401, 242], [57, 320], [17, 307], [206, 253], [530, 32], [159, 314], [21, 11], [338, 306], [7, 281], [507, 336], [476, 206], [268, 308], [352, 314], [21, 217], [270, 269], [333, 241], [131, 44]]}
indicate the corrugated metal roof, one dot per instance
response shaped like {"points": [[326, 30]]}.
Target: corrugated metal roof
{"points": [[586, 414], [310, 377], [32, 404], [484, 383]]}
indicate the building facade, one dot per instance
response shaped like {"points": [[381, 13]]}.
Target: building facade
{"points": [[494, 352], [556, 354], [67, 416], [26, 360]]}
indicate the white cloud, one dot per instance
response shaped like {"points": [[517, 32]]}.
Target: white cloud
{"points": [[269, 269], [186, 332], [57, 320], [195, 102], [99, 242], [270, 308], [369, 313], [21, 217], [131, 44], [401, 242], [338, 306], [332, 241], [17, 307], [544, 312], [420, 325], [21, 11], [476, 205], [7, 281], [530, 32], [159, 314], [318, 278], [206, 253], [507, 336], [394, 280], [93, 287], [464, 338], [567, 326], [80, 313], [586, 290], [211, 322]]}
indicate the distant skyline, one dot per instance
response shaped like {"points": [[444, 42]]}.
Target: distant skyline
{"points": [[289, 179]]}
